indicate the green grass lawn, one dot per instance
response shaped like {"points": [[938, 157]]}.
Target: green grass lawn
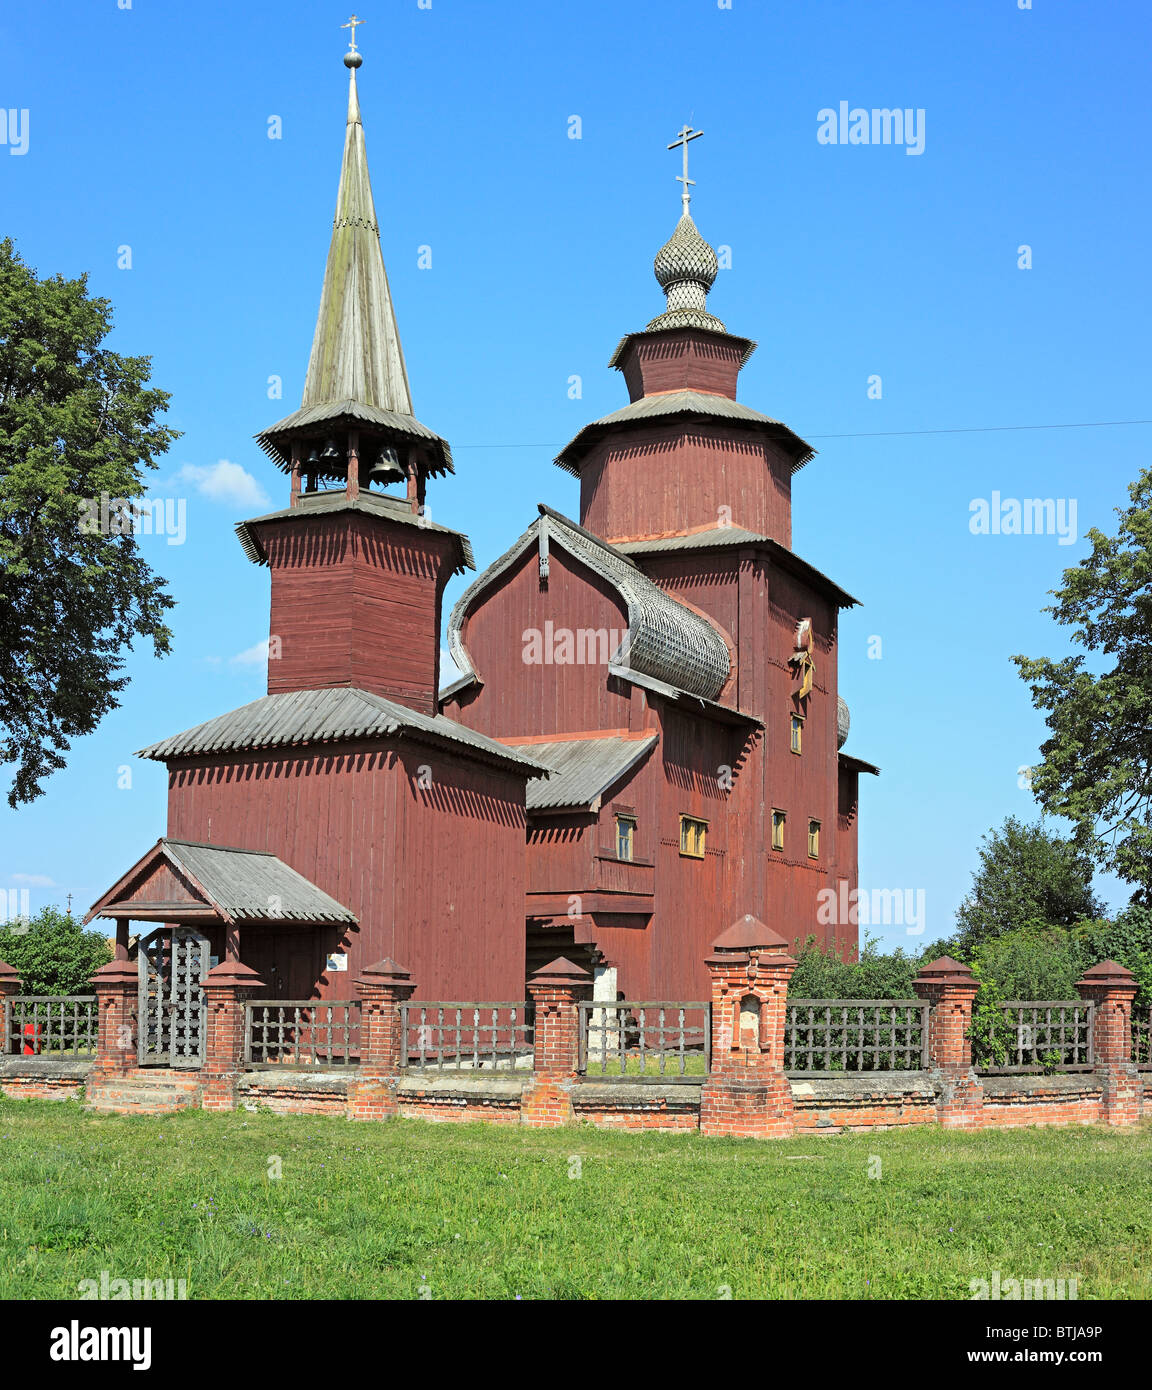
{"points": [[476, 1211]]}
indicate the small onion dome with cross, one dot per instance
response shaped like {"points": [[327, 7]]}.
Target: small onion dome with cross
{"points": [[686, 266]]}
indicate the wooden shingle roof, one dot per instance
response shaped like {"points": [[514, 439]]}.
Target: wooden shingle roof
{"points": [[216, 881], [337, 500], [689, 405], [334, 715], [583, 769]]}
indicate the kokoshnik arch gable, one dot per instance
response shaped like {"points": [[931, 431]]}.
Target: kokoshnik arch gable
{"points": [[671, 762]]}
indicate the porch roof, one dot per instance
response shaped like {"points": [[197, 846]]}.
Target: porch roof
{"points": [[186, 880]]}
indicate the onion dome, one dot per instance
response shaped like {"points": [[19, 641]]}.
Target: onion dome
{"points": [[843, 721], [685, 269]]}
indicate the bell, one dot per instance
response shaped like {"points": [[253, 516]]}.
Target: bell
{"points": [[313, 458], [331, 453], [386, 469]]}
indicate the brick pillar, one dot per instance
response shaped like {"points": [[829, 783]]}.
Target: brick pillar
{"points": [[1112, 988], [10, 984], [746, 1092], [227, 988], [117, 986], [383, 988], [950, 988], [555, 991]]}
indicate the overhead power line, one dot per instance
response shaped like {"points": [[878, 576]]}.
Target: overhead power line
{"points": [[889, 434]]}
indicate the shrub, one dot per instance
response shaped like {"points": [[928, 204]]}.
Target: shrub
{"points": [[53, 954], [1030, 964], [873, 975]]}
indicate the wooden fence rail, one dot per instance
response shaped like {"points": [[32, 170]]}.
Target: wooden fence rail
{"points": [[637, 1041], [61, 1025], [829, 1037], [302, 1032]]}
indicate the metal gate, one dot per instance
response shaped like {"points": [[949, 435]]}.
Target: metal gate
{"points": [[173, 962]]}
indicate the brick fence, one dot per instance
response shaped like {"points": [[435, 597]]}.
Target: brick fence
{"points": [[743, 1089]]}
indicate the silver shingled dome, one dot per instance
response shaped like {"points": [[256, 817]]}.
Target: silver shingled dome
{"points": [[686, 256], [685, 268]]}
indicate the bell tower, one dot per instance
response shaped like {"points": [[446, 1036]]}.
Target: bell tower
{"points": [[685, 456], [358, 567]]}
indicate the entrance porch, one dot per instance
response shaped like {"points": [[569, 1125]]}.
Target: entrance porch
{"points": [[202, 907]]}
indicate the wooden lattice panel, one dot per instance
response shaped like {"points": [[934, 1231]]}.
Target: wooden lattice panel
{"points": [[173, 963]]}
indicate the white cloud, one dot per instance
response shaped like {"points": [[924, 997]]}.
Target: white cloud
{"points": [[34, 880], [224, 482], [251, 656]]}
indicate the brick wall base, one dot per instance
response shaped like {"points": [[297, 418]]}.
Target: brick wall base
{"points": [[294, 1093], [547, 1103], [41, 1088], [495, 1110], [1118, 1095], [43, 1078], [755, 1109], [841, 1107]]}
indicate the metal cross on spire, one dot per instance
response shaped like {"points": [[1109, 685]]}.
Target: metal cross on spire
{"points": [[352, 23], [685, 134]]}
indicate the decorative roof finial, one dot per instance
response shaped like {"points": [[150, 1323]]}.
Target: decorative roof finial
{"points": [[353, 58], [685, 134], [686, 266]]}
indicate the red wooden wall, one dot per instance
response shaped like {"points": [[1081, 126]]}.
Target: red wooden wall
{"points": [[671, 477], [435, 873], [356, 601], [520, 698]]}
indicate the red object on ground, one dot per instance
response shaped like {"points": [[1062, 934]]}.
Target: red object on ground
{"points": [[32, 1049]]}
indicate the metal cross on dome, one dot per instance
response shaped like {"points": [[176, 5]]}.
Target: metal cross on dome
{"points": [[685, 134], [352, 23]]}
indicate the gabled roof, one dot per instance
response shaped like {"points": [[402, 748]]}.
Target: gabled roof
{"points": [[373, 503], [691, 405], [666, 640], [217, 881], [720, 536], [334, 715], [583, 769]]}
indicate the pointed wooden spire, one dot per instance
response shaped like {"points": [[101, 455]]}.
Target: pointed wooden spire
{"points": [[356, 352]]}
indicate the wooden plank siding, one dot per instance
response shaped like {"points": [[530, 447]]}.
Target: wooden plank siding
{"points": [[519, 698], [728, 776], [681, 361], [672, 477], [356, 601], [435, 873]]}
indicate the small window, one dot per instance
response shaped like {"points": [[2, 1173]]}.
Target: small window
{"points": [[779, 820], [813, 839], [797, 732], [625, 837], [692, 836]]}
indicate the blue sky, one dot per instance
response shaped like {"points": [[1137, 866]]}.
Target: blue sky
{"points": [[148, 128]]}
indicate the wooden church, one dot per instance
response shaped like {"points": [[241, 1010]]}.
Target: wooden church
{"points": [[647, 740]]}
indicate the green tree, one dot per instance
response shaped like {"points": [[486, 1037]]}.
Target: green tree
{"points": [[76, 422], [1028, 877], [53, 954], [873, 975], [1097, 767]]}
